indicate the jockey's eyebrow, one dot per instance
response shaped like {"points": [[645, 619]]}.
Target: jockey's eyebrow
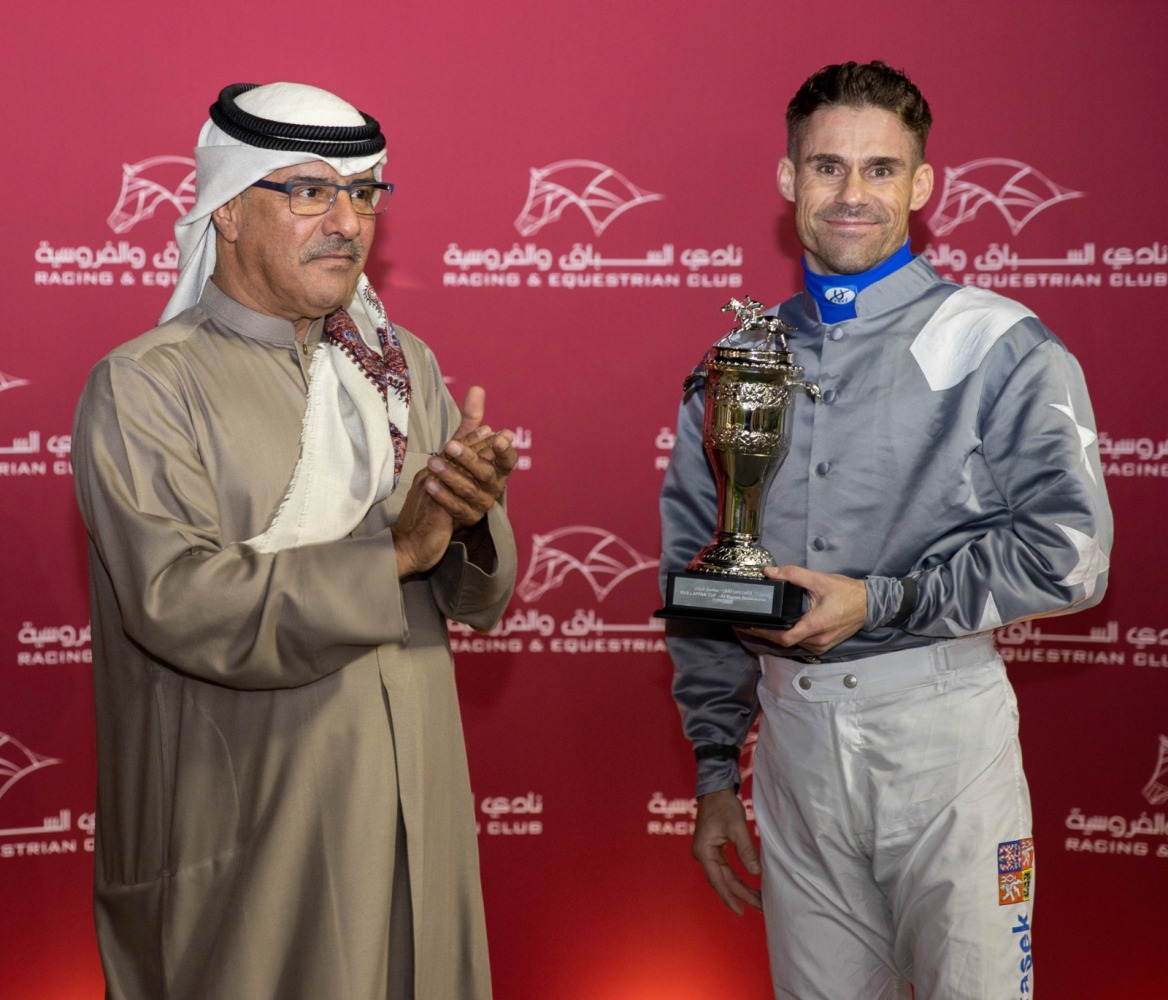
{"points": [[826, 159]]}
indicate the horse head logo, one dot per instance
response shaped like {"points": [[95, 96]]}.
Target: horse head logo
{"points": [[1016, 190], [18, 761], [149, 183], [600, 192], [601, 557], [11, 382]]}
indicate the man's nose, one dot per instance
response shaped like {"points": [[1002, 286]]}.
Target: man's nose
{"points": [[854, 190], [342, 217]]}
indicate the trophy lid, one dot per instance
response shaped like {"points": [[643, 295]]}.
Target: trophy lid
{"points": [[757, 339], [756, 348], [754, 331]]}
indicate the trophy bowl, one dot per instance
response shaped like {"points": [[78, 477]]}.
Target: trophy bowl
{"points": [[751, 382]]}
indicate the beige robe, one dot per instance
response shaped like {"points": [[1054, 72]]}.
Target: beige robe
{"points": [[261, 716]]}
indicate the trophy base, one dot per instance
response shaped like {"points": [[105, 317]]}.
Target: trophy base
{"points": [[732, 600]]}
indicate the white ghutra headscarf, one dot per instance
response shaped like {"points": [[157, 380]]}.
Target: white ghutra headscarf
{"points": [[347, 456]]}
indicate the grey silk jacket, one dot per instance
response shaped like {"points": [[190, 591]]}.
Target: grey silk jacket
{"points": [[260, 716], [955, 444]]}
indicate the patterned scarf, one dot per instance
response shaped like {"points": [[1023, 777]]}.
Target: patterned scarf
{"points": [[353, 436], [387, 370]]}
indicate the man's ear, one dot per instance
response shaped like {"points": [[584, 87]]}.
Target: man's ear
{"points": [[226, 219], [922, 186], [787, 178]]}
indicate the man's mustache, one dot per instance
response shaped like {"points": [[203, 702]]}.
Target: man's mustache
{"points": [[852, 215], [335, 247]]}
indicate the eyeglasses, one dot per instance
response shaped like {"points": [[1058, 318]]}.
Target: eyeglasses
{"points": [[317, 197]]}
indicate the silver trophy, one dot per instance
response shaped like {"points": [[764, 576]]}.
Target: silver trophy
{"points": [[751, 381]]}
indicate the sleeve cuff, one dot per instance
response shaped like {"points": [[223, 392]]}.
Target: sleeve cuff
{"points": [[716, 773], [891, 600]]}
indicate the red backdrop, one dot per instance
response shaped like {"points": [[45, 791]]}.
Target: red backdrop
{"points": [[581, 323]]}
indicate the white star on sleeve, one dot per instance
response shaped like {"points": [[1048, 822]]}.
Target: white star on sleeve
{"points": [[990, 619], [1092, 561], [959, 335], [1086, 435]]}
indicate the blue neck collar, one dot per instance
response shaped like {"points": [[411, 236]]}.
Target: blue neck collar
{"points": [[836, 293]]}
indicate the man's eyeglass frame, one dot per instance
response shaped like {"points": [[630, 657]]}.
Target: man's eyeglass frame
{"points": [[289, 187]]}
